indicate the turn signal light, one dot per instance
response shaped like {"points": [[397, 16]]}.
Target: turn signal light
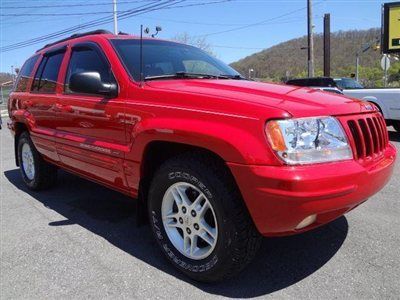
{"points": [[275, 136]]}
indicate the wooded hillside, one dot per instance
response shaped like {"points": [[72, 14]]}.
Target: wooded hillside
{"points": [[287, 58]]}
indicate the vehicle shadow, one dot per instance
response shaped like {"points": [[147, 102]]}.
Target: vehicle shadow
{"points": [[394, 136], [280, 263]]}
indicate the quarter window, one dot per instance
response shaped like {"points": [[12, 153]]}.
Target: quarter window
{"points": [[24, 74], [47, 73]]}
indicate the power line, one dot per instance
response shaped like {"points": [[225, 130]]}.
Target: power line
{"points": [[60, 14], [108, 12], [170, 4], [96, 22], [257, 23], [71, 5], [205, 23]]}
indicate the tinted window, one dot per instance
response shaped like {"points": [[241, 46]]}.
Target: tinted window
{"points": [[47, 73], [24, 74], [298, 82], [317, 82], [87, 60], [167, 58], [348, 83]]}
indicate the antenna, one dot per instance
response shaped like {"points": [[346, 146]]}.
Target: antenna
{"points": [[141, 55], [158, 29], [146, 31]]}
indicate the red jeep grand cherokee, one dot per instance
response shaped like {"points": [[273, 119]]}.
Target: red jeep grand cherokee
{"points": [[218, 161]]}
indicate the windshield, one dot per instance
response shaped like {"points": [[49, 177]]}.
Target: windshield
{"points": [[162, 59], [348, 83]]}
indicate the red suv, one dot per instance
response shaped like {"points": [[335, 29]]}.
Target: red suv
{"points": [[216, 160]]}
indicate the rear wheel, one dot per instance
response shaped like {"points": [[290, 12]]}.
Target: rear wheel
{"points": [[36, 173], [199, 219]]}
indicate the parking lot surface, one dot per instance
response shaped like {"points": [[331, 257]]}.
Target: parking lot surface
{"points": [[80, 240]]}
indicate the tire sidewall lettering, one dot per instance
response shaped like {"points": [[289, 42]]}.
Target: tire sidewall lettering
{"points": [[162, 238]]}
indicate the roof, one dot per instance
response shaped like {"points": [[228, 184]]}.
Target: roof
{"points": [[105, 33], [74, 36]]}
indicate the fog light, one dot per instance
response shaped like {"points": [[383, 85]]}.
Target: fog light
{"points": [[307, 221]]}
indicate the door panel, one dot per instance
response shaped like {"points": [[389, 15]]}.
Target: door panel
{"points": [[40, 103], [41, 107], [90, 132]]}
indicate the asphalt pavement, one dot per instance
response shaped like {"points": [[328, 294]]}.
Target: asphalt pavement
{"points": [[80, 240]]}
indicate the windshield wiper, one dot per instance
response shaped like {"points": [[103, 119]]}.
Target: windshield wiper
{"points": [[198, 75], [238, 77], [182, 74]]}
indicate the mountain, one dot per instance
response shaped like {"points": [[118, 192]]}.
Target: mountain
{"points": [[288, 60]]}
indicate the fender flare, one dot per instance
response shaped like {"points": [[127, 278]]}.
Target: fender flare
{"points": [[235, 144]]}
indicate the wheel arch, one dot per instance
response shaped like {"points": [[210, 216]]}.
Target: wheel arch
{"points": [[158, 152], [375, 102], [19, 128]]}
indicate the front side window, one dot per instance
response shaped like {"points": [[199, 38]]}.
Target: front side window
{"points": [[87, 60], [46, 76], [163, 59], [24, 74], [348, 83]]}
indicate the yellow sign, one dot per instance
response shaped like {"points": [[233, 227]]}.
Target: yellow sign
{"points": [[390, 40], [394, 28]]}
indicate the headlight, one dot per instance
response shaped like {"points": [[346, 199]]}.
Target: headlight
{"points": [[308, 140]]}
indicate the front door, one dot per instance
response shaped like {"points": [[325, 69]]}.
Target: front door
{"points": [[90, 136]]}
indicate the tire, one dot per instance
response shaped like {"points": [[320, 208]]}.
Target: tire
{"points": [[396, 125], [235, 239], [36, 173]]}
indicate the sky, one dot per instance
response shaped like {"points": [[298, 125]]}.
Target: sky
{"points": [[234, 28]]}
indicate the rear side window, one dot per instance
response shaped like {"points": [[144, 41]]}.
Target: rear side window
{"points": [[24, 74], [47, 73], [87, 60], [298, 82]]}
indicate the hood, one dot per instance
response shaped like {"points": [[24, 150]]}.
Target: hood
{"points": [[299, 102]]}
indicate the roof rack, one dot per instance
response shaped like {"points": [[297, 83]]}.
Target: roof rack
{"points": [[76, 35]]}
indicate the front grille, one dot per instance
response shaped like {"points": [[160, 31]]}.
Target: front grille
{"points": [[369, 135]]}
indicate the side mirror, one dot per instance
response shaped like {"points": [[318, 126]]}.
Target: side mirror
{"points": [[90, 83]]}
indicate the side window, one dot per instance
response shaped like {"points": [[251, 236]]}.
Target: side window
{"points": [[87, 60], [47, 73], [24, 74]]}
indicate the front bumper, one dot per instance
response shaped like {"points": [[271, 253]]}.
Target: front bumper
{"points": [[280, 197]]}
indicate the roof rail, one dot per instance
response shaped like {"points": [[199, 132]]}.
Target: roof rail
{"points": [[76, 35]]}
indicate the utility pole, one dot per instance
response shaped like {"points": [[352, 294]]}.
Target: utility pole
{"points": [[310, 40], [327, 45], [12, 74], [115, 16], [357, 64]]}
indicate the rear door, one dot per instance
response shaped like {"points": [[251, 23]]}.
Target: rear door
{"points": [[41, 101], [91, 132]]}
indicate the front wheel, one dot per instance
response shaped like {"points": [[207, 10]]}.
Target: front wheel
{"points": [[36, 173], [199, 219]]}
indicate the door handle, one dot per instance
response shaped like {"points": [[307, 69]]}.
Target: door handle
{"points": [[28, 103], [63, 108], [67, 108]]}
